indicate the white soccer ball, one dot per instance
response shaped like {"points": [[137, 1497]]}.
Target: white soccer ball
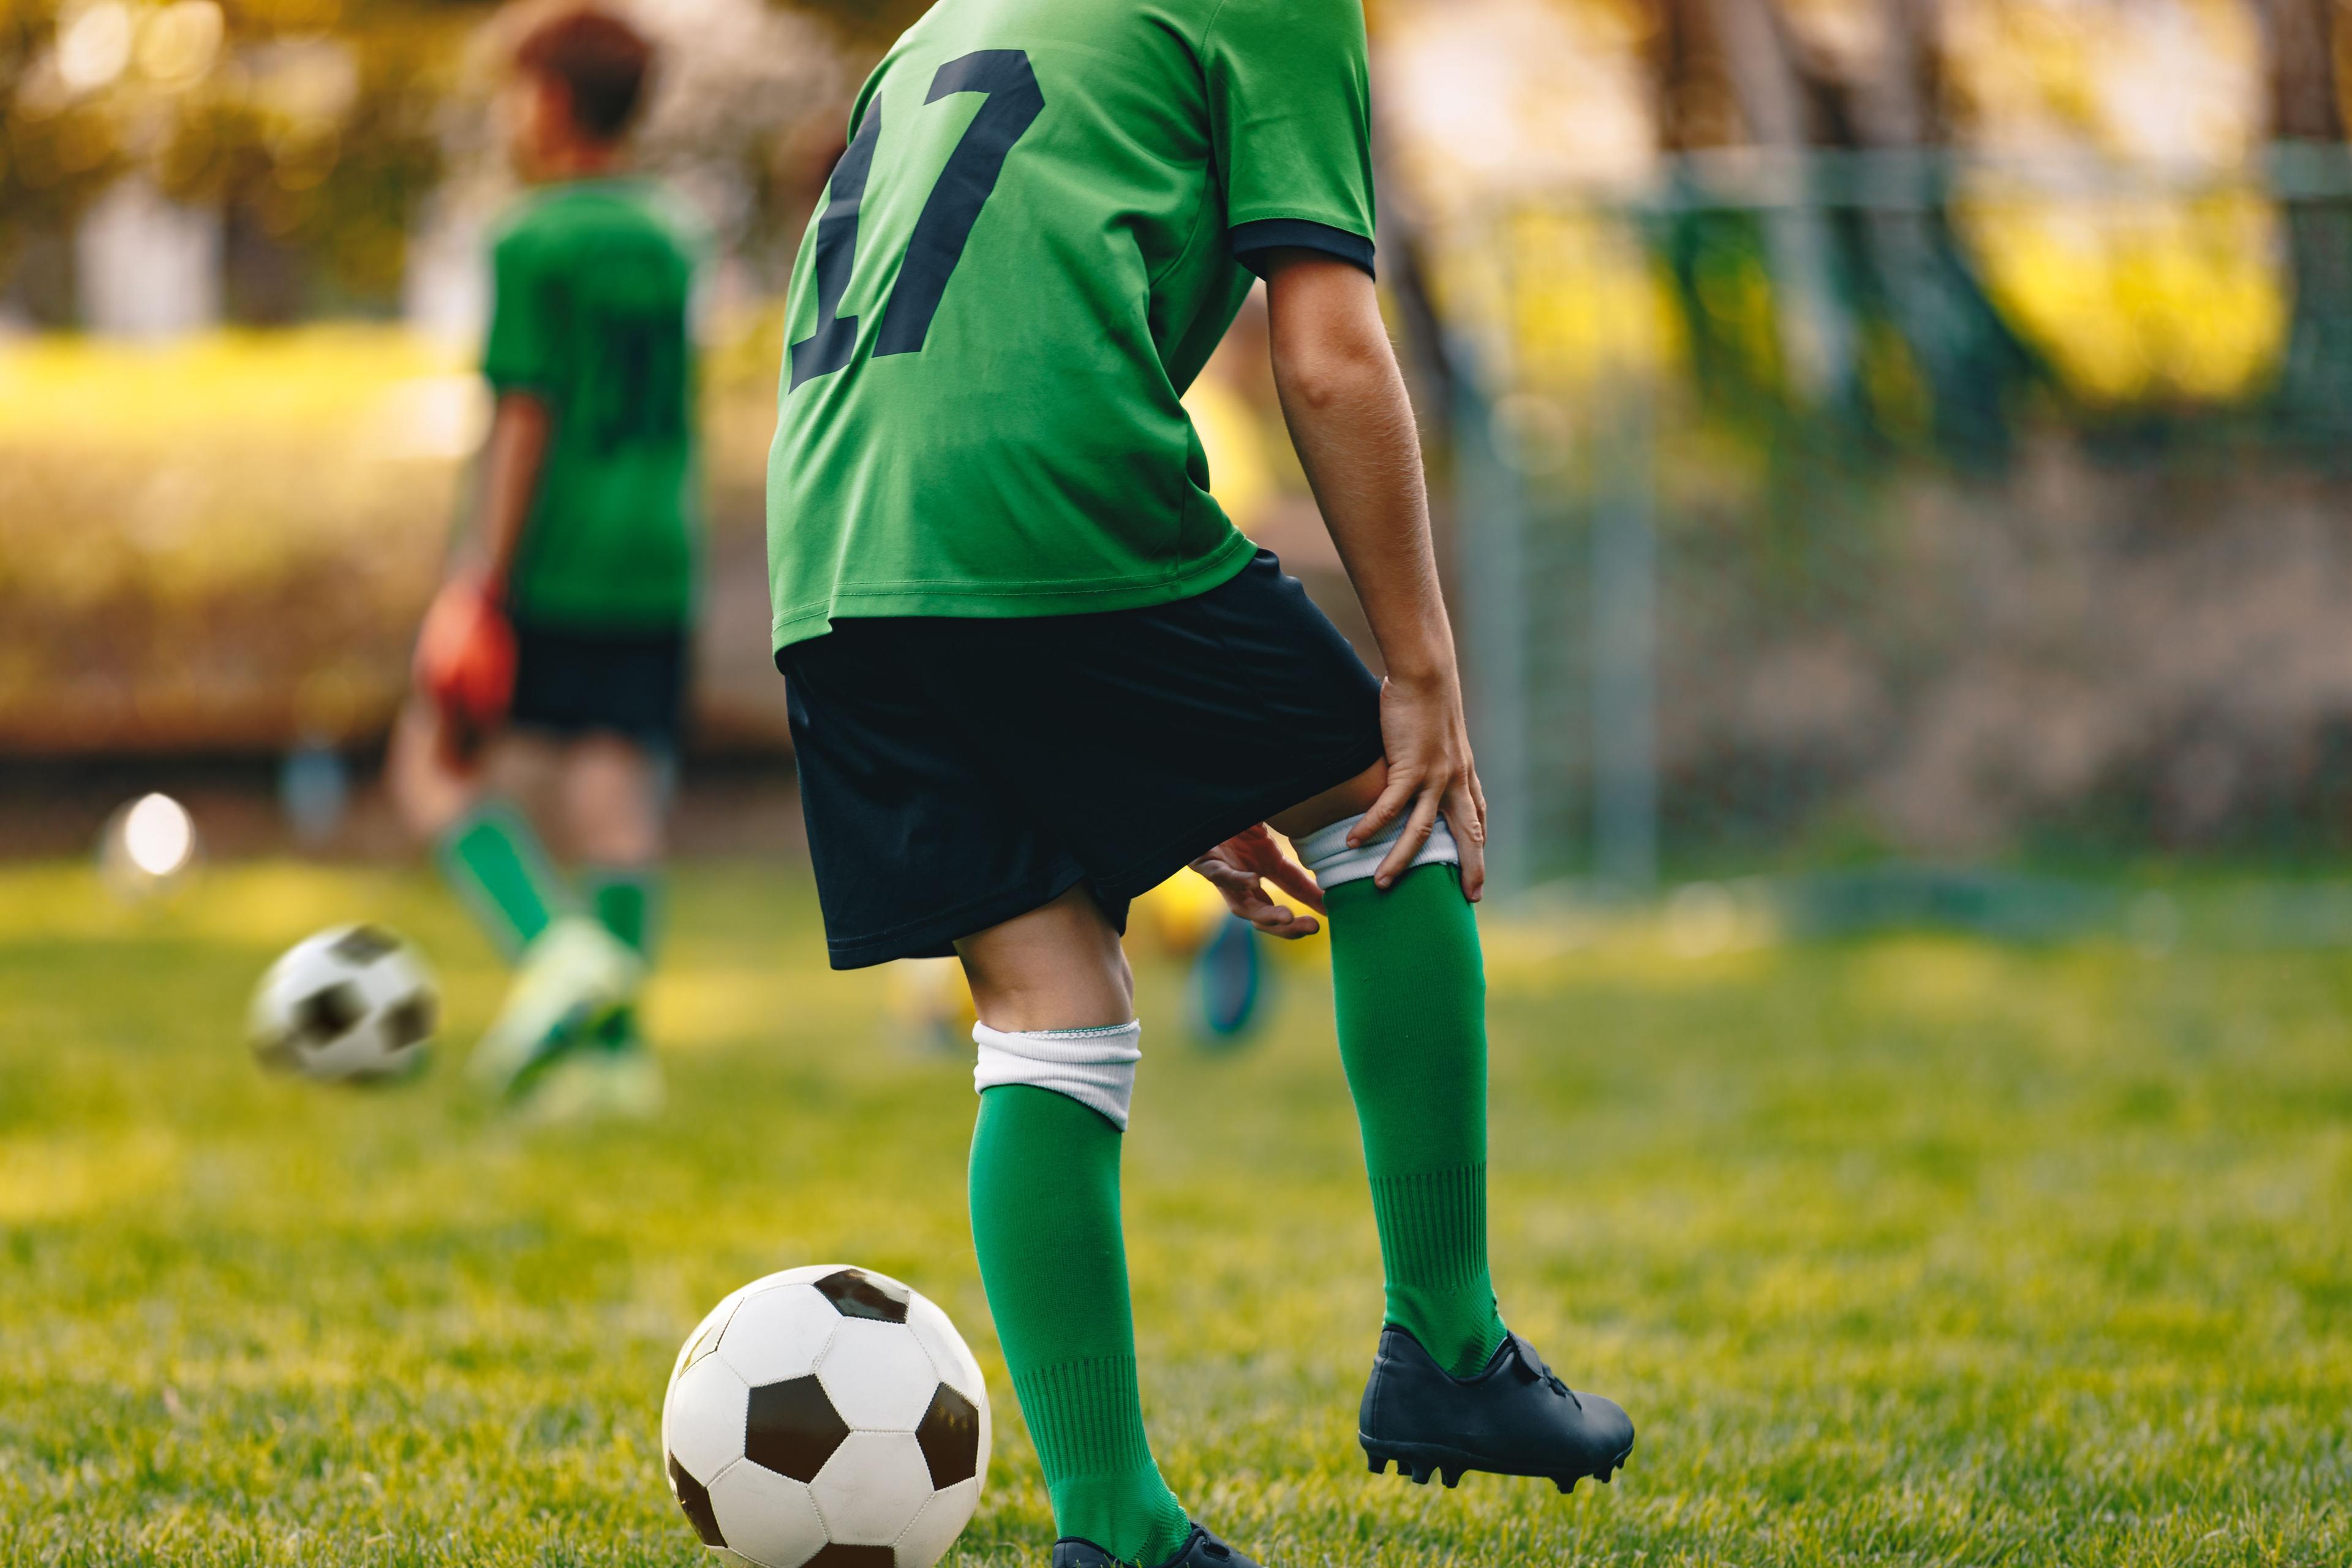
{"points": [[352, 1002], [826, 1417]]}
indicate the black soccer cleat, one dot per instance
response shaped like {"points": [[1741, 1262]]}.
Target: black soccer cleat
{"points": [[1514, 1418], [1200, 1550]]}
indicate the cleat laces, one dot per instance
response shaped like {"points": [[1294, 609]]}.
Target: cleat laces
{"points": [[1533, 1369]]}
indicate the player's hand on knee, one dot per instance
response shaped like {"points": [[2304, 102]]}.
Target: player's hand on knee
{"points": [[1242, 866], [1430, 772]]}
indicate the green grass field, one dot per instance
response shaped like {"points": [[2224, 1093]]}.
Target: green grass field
{"points": [[1912, 1250]]}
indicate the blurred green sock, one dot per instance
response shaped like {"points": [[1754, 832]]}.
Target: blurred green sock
{"points": [[494, 860], [1410, 989], [1044, 1220], [627, 901]]}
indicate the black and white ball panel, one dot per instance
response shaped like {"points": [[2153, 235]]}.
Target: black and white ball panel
{"points": [[354, 1002], [827, 1416]]}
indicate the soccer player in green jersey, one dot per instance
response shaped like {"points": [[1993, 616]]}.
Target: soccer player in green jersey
{"points": [[1034, 669], [562, 636]]}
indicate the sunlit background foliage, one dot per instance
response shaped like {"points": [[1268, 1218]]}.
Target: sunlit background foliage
{"points": [[1892, 313]]}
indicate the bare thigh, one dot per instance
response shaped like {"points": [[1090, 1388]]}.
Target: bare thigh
{"points": [[1060, 966], [1334, 805], [430, 791], [610, 791]]}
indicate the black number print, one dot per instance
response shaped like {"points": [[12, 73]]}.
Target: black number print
{"points": [[943, 228], [828, 348]]}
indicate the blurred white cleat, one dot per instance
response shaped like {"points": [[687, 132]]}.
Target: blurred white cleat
{"points": [[597, 1083], [573, 978]]}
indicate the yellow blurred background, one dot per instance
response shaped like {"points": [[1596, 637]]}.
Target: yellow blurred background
{"points": [[1890, 315]]}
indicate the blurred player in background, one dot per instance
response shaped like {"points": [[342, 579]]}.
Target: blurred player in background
{"points": [[1034, 669], [559, 646]]}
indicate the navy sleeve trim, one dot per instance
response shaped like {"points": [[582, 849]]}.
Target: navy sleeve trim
{"points": [[1252, 240]]}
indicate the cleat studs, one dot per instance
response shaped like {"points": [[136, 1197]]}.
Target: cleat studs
{"points": [[1421, 1474], [1451, 1479], [1380, 1465], [1566, 1487]]}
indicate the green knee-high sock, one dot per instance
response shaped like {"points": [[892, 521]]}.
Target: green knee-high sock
{"points": [[496, 862], [626, 901], [1045, 1219], [1410, 994]]}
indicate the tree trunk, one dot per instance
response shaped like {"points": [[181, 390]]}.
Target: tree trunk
{"points": [[2301, 34], [1932, 297], [2315, 383], [1817, 337]]}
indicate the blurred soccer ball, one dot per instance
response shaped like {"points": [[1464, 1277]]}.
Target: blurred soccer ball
{"points": [[352, 1003], [827, 1416], [149, 846]]}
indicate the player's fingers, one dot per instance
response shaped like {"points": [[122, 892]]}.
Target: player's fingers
{"points": [[1408, 845], [1393, 799], [1246, 896], [1275, 919], [1297, 880], [1240, 889], [1288, 925], [1461, 805]]}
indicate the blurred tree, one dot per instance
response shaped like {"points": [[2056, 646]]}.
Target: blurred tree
{"points": [[2304, 39], [2307, 40], [309, 123], [1875, 77], [747, 120], [1873, 306], [318, 129], [868, 25], [60, 146], [1819, 341], [1696, 105]]}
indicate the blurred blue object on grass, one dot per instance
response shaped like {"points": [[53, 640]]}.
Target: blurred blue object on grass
{"points": [[1229, 986]]}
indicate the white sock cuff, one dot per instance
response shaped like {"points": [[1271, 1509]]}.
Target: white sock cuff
{"points": [[1325, 851], [1094, 1067]]}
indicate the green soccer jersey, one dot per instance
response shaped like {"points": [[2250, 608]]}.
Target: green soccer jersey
{"points": [[592, 279], [1044, 224]]}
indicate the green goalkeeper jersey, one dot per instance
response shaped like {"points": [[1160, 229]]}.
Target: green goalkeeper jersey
{"points": [[592, 279], [1044, 224]]}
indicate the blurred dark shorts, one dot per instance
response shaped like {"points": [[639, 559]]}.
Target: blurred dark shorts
{"points": [[956, 772], [573, 683]]}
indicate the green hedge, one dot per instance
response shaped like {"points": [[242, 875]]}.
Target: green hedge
{"points": [[225, 542]]}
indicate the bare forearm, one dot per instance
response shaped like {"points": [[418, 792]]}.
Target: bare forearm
{"points": [[518, 451], [1353, 424]]}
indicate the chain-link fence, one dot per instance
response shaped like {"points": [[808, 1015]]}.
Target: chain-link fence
{"points": [[1829, 508]]}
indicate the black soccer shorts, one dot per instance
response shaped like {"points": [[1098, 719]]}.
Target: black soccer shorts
{"points": [[956, 772], [572, 683]]}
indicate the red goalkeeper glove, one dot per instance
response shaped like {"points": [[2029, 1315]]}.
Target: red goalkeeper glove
{"points": [[466, 658]]}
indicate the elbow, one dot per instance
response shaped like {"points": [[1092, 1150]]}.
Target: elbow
{"points": [[1333, 373]]}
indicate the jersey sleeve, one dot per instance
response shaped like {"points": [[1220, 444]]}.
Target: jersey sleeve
{"points": [[1290, 121], [521, 352]]}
